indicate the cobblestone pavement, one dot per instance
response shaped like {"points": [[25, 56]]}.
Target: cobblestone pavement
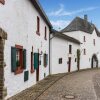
{"points": [[33, 92], [83, 85]]}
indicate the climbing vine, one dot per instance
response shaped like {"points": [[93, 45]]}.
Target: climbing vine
{"points": [[78, 59]]}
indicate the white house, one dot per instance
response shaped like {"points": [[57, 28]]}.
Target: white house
{"points": [[89, 36], [63, 53], [24, 45]]}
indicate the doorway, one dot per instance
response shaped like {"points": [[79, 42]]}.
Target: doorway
{"points": [[94, 62], [37, 74]]}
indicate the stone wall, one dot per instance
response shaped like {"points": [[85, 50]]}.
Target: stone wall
{"points": [[3, 90]]}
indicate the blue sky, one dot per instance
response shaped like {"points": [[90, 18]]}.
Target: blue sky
{"points": [[62, 12]]}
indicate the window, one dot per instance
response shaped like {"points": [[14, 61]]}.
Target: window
{"points": [[84, 51], [60, 60], [45, 37], [70, 49], [45, 60], [84, 39], [75, 59], [94, 42], [38, 26], [18, 59]]}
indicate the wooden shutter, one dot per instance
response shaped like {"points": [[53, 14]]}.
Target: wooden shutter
{"points": [[46, 59], [24, 58], [13, 59], [26, 76], [36, 60]]}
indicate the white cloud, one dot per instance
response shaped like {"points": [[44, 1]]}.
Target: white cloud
{"points": [[60, 24], [62, 12]]}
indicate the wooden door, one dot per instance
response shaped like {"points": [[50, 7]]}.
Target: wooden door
{"points": [[69, 64], [37, 74]]}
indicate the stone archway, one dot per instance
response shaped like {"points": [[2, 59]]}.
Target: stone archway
{"points": [[3, 90], [94, 61]]}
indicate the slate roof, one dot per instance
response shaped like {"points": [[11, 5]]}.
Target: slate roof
{"points": [[39, 8], [79, 24], [66, 37]]}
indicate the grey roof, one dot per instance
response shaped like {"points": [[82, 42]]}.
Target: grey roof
{"points": [[79, 24], [39, 8], [66, 37]]}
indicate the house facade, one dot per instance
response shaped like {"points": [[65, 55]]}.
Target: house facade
{"points": [[24, 38], [63, 53], [89, 36]]}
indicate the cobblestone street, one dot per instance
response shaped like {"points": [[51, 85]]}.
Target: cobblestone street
{"points": [[83, 85]]}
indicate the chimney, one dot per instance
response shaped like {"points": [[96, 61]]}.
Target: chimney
{"points": [[86, 17]]}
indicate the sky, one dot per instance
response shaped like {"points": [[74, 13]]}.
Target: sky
{"points": [[62, 12]]}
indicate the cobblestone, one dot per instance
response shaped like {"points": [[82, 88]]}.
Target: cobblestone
{"points": [[83, 85]]}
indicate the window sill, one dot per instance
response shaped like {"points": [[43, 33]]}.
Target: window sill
{"points": [[32, 71], [38, 33], [18, 71]]}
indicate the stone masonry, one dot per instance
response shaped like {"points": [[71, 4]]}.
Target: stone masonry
{"points": [[3, 90]]}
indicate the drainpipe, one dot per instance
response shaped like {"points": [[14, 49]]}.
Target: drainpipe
{"points": [[49, 53]]}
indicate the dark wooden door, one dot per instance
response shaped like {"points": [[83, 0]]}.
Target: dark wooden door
{"points": [[37, 74], [69, 64]]}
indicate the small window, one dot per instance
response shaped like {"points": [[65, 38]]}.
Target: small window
{"points": [[38, 26], [60, 60], [75, 59], [94, 42], [84, 39], [45, 37], [84, 51], [45, 60], [18, 59], [70, 49]]}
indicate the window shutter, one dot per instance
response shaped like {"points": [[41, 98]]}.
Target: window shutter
{"points": [[46, 59], [13, 59], [24, 58], [36, 60], [26, 76]]}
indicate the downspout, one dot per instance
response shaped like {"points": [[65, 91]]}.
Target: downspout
{"points": [[49, 52]]}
